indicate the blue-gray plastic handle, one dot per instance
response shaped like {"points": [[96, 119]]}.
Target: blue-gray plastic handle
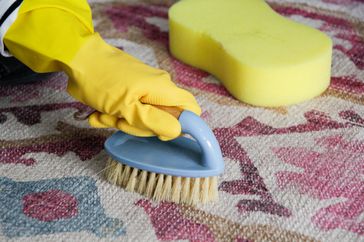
{"points": [[211, 153]]}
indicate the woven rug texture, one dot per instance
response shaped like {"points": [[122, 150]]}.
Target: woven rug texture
{"points": [[292, 173]]}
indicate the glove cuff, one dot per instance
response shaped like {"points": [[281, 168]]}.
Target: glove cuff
{"points": [[87, 69]]}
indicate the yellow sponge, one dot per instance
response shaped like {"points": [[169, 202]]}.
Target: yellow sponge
{"points": [[261, 57]]}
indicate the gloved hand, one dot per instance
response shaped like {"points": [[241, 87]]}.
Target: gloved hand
{"points": [[122, 89]]}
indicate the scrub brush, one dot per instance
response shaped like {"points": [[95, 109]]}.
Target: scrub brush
{"points": [[182, 170]]}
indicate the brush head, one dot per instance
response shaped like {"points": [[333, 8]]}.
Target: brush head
{"points": [[180, 170], [179, 157], [197, 157], [161, 187]]}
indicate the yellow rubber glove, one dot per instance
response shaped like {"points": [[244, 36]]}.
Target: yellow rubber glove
{"points": [[122, 89]]}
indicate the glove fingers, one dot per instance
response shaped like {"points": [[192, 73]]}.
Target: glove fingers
{"points": [[158, 121], [108, 120], [175, 97], [123, 125], [102, 120], [94, 121], [132, 130]]}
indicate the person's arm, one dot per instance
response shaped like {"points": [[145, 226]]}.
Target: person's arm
{"points": [[121, 88]]}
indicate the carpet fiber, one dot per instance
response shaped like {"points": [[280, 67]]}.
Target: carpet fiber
{"points": [[292, 173]]}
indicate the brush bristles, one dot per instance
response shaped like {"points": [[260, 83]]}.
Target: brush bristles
{"points": [[150, 185], [142, 182], [204, 195], [112, 170], [167, 189], [131, 184], [162, 187], [176, 189], [185, 190], [159, 188]]}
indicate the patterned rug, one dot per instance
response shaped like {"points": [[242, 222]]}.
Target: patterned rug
{"points": [[292, 174]]}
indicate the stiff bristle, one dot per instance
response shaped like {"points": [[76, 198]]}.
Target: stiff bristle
{"points": [[112, 171], [195, 193], [130, 186], [204, 195], [176, 189], [150, 184], [213, 194], [142, 182], [167, 188], [186, 188], [162, 187], [159, 188], [124, 178]]}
